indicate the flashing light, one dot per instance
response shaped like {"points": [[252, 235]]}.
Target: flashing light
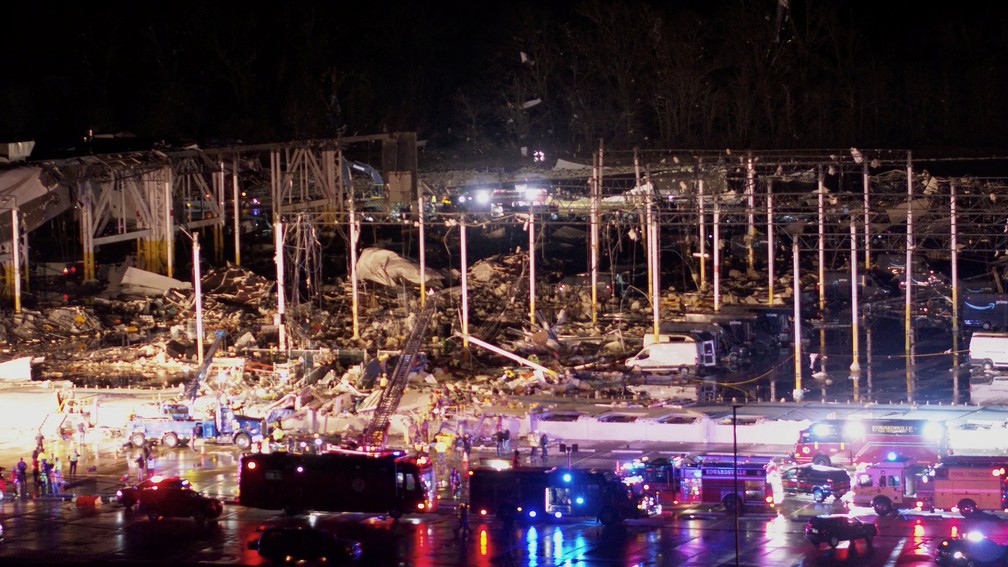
{"points": [[924, 479], [539, 156], [934, 431], [975, 536], [954, 532], [557, 515], [318, 441], [483, 512], [805, 450], [567, 477], [854, 430], [579, 500], [918, 530], [532, 513], [421, 505], [891, 456], [920, 504], [483, 197], [998, 472], [300, 469], [647, 487], [769, 500]]}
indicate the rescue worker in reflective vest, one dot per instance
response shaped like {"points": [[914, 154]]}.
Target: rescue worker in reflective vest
{"points": [[278, 434]]}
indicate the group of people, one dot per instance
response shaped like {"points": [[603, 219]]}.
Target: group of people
{"points": [[46, 471], [502, 438]]}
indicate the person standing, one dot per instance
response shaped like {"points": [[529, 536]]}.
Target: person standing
{"points": [[35, 469], [543, 442], [74, 456], [45, 475], [278, 435], [499, 441], [462, 512], [22, 473], [141, 467], [516, 459], [81, 431], [55, 477]]}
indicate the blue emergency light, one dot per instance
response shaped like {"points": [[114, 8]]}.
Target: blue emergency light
{"points": [[566, 477], [579, 500]]}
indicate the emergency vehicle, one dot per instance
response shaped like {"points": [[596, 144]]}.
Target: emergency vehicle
{"points": [[719, 480], [539, 493], [966, 484], [836, 442], [385, 482], [660, 477]]}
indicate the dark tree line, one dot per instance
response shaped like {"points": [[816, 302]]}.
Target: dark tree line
{"points": [[483, 78]]}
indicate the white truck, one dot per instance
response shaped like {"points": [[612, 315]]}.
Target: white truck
{"points": [[674, 353], [989, 350]]}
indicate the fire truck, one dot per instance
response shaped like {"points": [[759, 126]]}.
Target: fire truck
{"points": [[965, 483], [538, 493], [835, 442], [717, 479], [383, 482]]}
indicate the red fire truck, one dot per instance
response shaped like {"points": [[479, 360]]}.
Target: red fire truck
{"points": [[836, 442], [716, 479], [963, 483], [387, 482]]}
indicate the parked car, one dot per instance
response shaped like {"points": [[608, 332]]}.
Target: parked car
{"points": [[818, 480], [974, 548], [128, 496], [834, 528], [177, 503], [295, 544]]}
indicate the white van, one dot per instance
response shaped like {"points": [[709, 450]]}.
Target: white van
{"points": [[989, 350], [678, 354]]}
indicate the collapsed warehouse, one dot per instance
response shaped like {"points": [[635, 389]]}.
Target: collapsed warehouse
{"points": [[558, 322]]}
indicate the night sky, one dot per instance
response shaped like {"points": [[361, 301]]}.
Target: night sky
{"points": [[635, 74]]}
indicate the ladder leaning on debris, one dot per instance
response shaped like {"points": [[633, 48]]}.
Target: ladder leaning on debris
{"points": [[377, 429], [192, 387]]}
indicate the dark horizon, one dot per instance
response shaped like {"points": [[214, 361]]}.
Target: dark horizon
{"points": [[744, 74]]}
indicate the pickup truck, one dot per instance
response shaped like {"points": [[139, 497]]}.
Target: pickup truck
{"points": [[177, 427]]}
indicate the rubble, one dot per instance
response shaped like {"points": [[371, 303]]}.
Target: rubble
{"points": [[141, 333]]}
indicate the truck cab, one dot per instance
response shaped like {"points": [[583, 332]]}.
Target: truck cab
{"points": [[889, 485], [178, 427]]}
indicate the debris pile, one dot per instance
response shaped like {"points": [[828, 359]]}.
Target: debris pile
{"points": [[141, 332]]}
